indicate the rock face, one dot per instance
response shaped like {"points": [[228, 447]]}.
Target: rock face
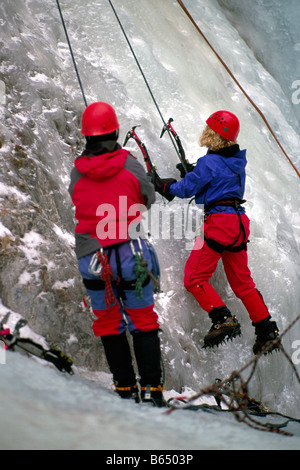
{"points": [[39, 137]]}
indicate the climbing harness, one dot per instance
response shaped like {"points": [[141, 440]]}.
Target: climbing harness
{"points": [[99, 267], [14, 342], [180, 2], [219, 247]]}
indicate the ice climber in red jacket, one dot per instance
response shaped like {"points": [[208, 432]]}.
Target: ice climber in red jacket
{"points": [[110, 190]]}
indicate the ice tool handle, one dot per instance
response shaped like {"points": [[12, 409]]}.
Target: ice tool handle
{"points": [[151, 169], [14, 341], [9, 338], [168, 127]]}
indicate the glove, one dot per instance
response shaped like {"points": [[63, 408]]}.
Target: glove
{"points": [[189, 167], [162, 186]]}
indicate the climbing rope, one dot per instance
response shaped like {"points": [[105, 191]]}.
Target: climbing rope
{"points": [[71, 51], [106, 276], [147, 84], [236, 389], [150, 90], [237, 83]]}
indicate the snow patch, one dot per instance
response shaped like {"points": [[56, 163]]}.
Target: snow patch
{"points": [[72, 339], [64, 284], [67, 237], [5, 232], [26, 278], [30, 244], [6, 190]]}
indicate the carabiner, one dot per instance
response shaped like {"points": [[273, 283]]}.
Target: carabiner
{"points": [[95, 267]]}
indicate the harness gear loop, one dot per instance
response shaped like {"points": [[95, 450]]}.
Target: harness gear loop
{"points": [[106, 276], [140, 269], [142, 272]]}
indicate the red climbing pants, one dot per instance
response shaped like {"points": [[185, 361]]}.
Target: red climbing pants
{"points": [[202, 263]]}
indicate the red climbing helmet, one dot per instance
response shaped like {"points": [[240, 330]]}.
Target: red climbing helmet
{"points": [[224, 123], [98, 119]]}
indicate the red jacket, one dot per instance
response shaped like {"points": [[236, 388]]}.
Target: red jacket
{"points": [[105, 190]]}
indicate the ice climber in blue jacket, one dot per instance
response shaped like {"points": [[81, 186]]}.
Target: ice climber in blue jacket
{"points": [[218, 183]]}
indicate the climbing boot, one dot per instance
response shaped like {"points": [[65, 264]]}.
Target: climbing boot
{"points": [[225, 326], [148, 357], [118, 355], [153, 395], [266, 337], [129, 392]]}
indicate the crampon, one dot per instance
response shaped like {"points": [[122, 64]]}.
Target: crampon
{"points": [[222, 332], [267, 339], [267, 347]]}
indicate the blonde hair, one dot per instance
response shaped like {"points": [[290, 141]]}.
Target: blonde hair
{"points": [[210, 139]]}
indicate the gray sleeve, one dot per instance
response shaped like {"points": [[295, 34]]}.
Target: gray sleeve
{"points": [[147, 188], [75, 176]]}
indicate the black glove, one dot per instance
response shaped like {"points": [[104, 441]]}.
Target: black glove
{"points": [[162, 186], [189, 167]]}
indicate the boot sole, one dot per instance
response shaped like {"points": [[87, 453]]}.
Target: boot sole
{"points": [[222, 337], [267, 348]]}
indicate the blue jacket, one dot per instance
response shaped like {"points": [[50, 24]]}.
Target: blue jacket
{"points": [[216, 177]]}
